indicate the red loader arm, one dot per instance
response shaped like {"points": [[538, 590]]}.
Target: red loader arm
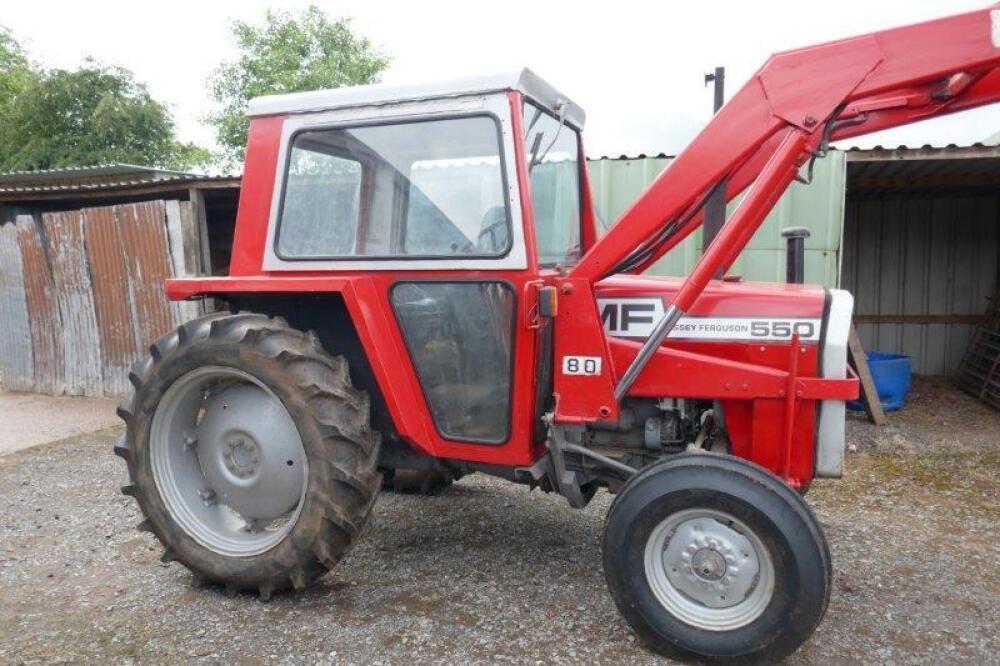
{"points": [[798, 102]]}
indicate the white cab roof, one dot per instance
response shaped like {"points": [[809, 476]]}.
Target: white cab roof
{"points": [[525, 81]]}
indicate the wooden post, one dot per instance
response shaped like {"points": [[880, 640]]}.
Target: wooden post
{"points": [[197, 199], [197, 211], [869, 395]]}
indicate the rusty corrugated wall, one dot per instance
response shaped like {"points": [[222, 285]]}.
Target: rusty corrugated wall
{"points": [[43, 308], [144, 236], [112, 297], [89, 287], [17, 371], [75, 298]]}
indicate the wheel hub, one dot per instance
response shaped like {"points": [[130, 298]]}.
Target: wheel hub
{"points": [[242, 457], [250, 453], [228, 460], [708, 563], [709, 569]]}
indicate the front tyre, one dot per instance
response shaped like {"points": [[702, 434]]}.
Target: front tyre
{"points": [[249, 452], [712, 557]]}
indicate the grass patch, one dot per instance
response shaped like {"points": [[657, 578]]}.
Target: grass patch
{"points": [[946, 472]]}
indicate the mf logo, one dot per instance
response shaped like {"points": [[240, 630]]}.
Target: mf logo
{"points": [[630, 317]]}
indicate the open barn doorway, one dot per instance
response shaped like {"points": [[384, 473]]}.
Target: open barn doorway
{"points": [[920, 250]]}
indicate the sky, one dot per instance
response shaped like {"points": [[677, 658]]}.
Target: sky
{"points": [[637, 68]]}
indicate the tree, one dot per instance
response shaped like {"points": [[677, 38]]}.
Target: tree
{"points": [[16, 71], [287, 53], [92, 115]]}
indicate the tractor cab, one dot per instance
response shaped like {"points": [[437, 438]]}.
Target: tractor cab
{"points": [[453, 202], [426, 177]]}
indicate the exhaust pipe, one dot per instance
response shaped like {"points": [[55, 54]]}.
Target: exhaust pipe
{"points": [[795, 271]]}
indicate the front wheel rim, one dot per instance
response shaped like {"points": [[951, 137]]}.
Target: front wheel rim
{"points": [[228, 461], [709, 570]]}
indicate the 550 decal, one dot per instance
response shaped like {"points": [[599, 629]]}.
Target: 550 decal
{"points": [[636, 318], [780, 329]]}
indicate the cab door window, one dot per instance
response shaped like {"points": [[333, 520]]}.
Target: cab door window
{"points": [[460, 336]]}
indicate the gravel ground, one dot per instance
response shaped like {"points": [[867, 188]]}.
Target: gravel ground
{"points": [[488, 572]]}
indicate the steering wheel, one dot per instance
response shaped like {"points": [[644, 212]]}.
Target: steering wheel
{"points": [[490, 230]]}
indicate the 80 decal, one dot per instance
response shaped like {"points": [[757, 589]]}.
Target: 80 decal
{"points": [[581, 365]]}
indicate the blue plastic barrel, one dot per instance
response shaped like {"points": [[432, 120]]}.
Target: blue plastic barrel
{"points": [[891, 373]]}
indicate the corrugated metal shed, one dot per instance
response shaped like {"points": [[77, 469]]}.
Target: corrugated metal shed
{"points": [[920, 249], [921, 245], [22, 190], [83, 174], [81, 293], [925, 168], [617, 182], [922, 268]]}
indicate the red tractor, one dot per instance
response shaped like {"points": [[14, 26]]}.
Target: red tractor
{"points": [[418, 286]]}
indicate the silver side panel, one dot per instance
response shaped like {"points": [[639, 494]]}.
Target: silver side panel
{"points": [[833, 364]]}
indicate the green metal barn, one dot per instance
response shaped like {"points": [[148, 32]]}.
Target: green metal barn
{"points": [[912, 232]]}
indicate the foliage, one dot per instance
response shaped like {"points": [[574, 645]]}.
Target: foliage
{"points": [[92, 115], [16, 74], [16, 71], [287, 53], [189, 157]]}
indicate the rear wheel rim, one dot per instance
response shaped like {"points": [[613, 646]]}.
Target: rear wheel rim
{"points": [[709, 570], [228, 461]]}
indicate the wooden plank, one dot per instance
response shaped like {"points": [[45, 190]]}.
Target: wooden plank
{"points": [[197, 200], [192, 240], [869, 395], [184, 253]]}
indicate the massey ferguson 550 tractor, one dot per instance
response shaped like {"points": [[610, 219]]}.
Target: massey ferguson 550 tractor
{"points": [[418, 286]]}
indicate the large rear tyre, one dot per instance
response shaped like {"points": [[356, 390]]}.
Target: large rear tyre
{"points": [[249, 452], [710, 557]]}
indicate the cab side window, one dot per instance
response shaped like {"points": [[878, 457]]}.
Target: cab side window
{"points": [[433, 188]]}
